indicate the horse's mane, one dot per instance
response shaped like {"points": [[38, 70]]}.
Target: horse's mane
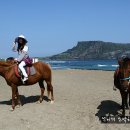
{"points": [[4, 64], [124, 63]]}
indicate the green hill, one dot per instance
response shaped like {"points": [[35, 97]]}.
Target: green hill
{"points": [[94, 50]]}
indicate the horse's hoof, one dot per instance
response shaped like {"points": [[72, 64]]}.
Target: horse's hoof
{"points": [[38, 102], [52, 102], [127, 108], [11, 109], [114, 88], [18, 106], [48, 100]]}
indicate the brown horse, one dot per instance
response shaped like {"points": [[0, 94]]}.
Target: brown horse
{"points": [[122, 82], [43, 73]]}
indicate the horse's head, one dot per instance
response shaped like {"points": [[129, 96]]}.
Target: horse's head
{"points": [[124, 71], [10, 60]]}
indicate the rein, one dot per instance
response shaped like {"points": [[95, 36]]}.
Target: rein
{"points": [[126, 78]]}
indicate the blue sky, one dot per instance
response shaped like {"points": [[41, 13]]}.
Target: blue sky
{"points": [[53, 26]]}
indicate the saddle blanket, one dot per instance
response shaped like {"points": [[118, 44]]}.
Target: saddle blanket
{"points": [[29, 70]]}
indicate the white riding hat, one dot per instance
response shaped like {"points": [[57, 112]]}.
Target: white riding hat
{"points": [[23, 37]]}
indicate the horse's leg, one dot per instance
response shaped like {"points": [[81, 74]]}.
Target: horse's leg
{"points": [[126, 101], [129, 103], [13, 96], [50, 91], [18, 97], [41, 84], [123, 102]]}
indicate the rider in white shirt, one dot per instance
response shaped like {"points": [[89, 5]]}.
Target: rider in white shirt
{"points": [[22, 50]]}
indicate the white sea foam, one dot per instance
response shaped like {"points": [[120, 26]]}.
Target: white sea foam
{"points": [[56, 61], [114, 65], [100, 65], [58, 67]]}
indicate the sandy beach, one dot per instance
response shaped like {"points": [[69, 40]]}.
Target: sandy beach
{"points": [[81, 98]]}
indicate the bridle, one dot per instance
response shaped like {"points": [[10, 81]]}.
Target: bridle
{"points": [[126, 79], [125, 69]]}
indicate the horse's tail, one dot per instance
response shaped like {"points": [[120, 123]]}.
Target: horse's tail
{"points": [[49, 65], [46, 70], [50, 71]]}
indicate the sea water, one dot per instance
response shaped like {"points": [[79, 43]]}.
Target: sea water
{"points": [[110, 65]]}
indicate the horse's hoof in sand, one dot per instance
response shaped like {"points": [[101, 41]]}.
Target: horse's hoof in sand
{"points": [[114, 88], [38, 102], [11, 109], [18, 106], [52, 102]]}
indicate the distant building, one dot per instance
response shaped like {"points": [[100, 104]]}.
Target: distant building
{"points": [[35, 60]]}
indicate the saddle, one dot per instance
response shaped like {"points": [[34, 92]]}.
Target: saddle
{"points": [[30, 70]]}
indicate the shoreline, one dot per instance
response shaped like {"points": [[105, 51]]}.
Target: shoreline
{"points": [[84, 69]]}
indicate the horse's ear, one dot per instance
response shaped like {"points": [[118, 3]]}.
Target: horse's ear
{"points": [[10, 60], [120, 62]]}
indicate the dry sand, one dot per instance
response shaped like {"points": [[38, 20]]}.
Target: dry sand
{"points": [[81, 97]]}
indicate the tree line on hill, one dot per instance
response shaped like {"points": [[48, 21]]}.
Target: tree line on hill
{"points": [[94, 50]]}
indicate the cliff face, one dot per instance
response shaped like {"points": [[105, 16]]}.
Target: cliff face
{"points": [[94, 50]]}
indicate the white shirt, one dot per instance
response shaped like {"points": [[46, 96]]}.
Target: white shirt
{"points": [[25, 49]]}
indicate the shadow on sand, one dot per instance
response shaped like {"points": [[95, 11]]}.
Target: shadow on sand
{"points": [[108, 108], [25, 100]]}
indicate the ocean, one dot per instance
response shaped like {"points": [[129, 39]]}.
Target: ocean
{"points": [[108, 65]]}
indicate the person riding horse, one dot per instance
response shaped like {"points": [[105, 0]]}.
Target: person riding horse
{"points": [[23, 57]]}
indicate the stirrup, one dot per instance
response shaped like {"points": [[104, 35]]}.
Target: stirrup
{"points": [[25, 79]]}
